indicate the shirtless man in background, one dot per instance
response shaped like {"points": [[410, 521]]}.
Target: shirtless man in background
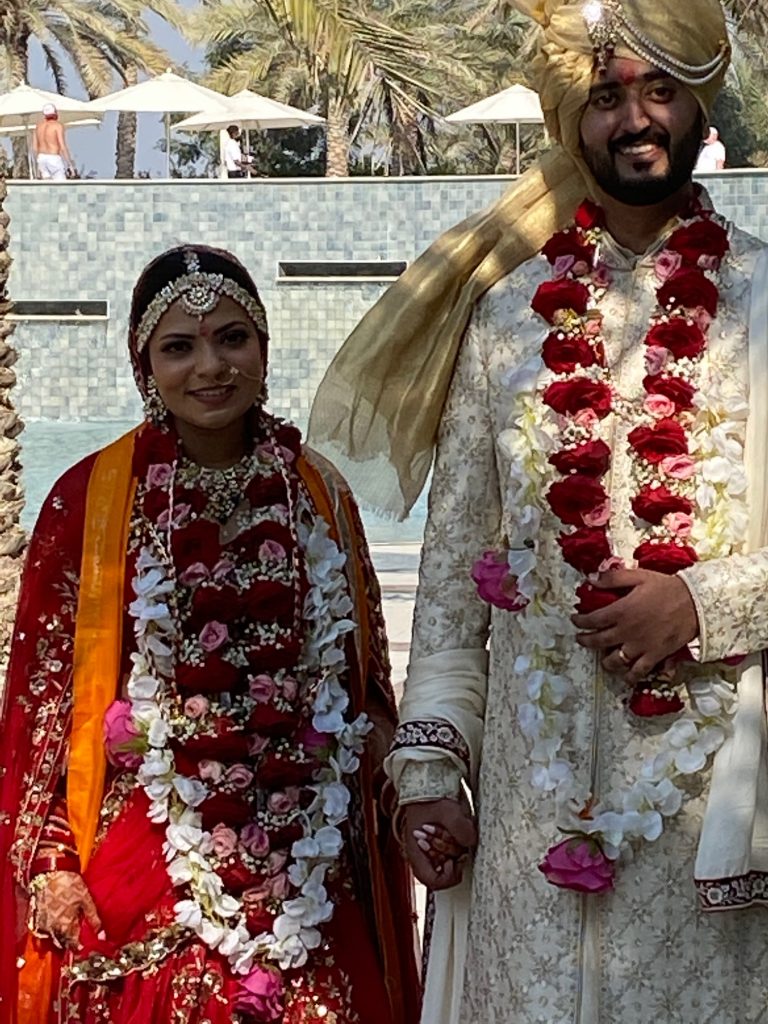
{"points": [[53, 157]]}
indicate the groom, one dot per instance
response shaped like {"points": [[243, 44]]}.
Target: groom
{"points": [[593, 594]]}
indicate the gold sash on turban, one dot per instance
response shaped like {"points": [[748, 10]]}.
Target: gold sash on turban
{"points": [[378, 409]]}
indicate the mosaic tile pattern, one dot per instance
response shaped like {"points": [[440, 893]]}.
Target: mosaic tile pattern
{"points": [[90, 240]]}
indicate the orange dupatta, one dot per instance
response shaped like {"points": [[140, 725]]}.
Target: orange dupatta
{"points": [[96, 670]]}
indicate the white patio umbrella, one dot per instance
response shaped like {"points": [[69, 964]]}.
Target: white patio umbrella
{"points": [[21, 109], [249, 110], [163, 94], [515, 105]]}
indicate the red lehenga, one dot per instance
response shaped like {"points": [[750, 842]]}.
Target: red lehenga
{"points": [[241, 716]]}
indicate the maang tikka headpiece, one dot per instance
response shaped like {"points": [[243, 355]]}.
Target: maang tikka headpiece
{"points": [[608, 26], [198, 293]]}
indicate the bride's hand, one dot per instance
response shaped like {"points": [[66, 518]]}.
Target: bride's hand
{"points": [[59, 906]]}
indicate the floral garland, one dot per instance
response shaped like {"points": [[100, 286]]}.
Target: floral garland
{"points": [[152, 731], [687, 457]]}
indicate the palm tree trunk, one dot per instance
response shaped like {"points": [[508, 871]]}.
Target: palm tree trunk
{"points": [[12, 537], [125, 152], [19, 48], [337, 140]]}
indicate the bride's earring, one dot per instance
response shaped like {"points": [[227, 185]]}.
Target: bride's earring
{"points": [[155, 411]]}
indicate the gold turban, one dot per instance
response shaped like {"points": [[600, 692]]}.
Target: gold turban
{"points": [[378, 409]]}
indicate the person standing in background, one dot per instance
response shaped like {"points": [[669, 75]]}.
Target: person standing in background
{"points": [[233, 153], [712, 155], [50, 147]]}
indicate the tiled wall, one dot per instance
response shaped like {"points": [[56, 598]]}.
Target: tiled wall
{"points": [[89, 240]]}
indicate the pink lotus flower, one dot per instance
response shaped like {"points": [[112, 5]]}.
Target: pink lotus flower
{"points": [[213, 635], [194, 574], [196, 707], [598, 516], [496, 584], [656, 358], [659, 406], [283, 802], [578, 863], [679, 523], [159, 474], [239, 776], [262, 688], [679, 467], [260, 995], [123, 742], [255, 839], [271, 551], [667, 264], [210, 771], [224, 840]]}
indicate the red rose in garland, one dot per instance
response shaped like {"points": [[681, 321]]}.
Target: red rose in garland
{"points": [[703, 236], [562, 353], [222, 603], [655, 443], [586, 548], [569, 243], [684, 340], [568, 397], [214, 676], [675, 389], [591, 599], [572, 498], [689, 289], [593, 458], [194, 542], [663, 557], [589, 215], [646, 704], [556, 296], [653, 503]]}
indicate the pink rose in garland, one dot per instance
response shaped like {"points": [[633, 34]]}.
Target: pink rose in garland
{"points": [[123, 742], [260, 995], [213, 635], [496, 584], [578, 863]]}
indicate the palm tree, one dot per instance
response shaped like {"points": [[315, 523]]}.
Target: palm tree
{"points": [[101, 38], [12, 537], [331, 55]]}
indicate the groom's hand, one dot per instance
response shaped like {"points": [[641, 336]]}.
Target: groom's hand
{"points": [[438, 872]]}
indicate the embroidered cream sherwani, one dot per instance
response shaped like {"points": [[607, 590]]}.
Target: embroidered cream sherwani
{"points": [[537, 954]]}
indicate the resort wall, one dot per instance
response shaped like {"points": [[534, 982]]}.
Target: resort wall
{"points": [[87, 241]]}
